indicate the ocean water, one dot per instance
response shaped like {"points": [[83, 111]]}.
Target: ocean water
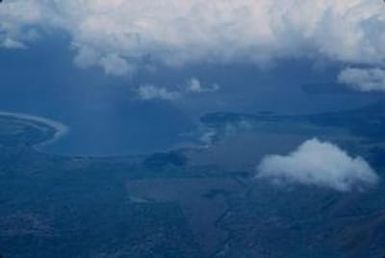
{"points": [[105, 116]]}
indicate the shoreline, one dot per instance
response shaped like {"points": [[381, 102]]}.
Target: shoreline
{"points": [[60, 128]]}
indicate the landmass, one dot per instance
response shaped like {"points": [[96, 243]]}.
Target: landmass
{"points": [[187, 202]]}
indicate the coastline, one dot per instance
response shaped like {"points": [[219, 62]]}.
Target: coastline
{"points": [[60, 128]]}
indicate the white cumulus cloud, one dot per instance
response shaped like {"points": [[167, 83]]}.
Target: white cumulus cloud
{"points": [[119, 34], [369, 79], [318, 163], [191, 86], [195, 86], [150, 92]]}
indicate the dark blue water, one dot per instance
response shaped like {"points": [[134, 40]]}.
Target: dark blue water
{"points": [[105, 117]]}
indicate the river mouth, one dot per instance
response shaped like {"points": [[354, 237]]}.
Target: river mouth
{"points": [[54, 137], [112, 133]]}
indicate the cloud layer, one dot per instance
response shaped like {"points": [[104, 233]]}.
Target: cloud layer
{"points": [[317, 163], [370, 79], [120, 35]]}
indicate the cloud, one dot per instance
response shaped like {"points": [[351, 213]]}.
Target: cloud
{"points": [[150, 92], [174, 32], [369, 79], [195, 86], [10, 43], [18, 22], [115, 65], [192, 86], [317, 163]]}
